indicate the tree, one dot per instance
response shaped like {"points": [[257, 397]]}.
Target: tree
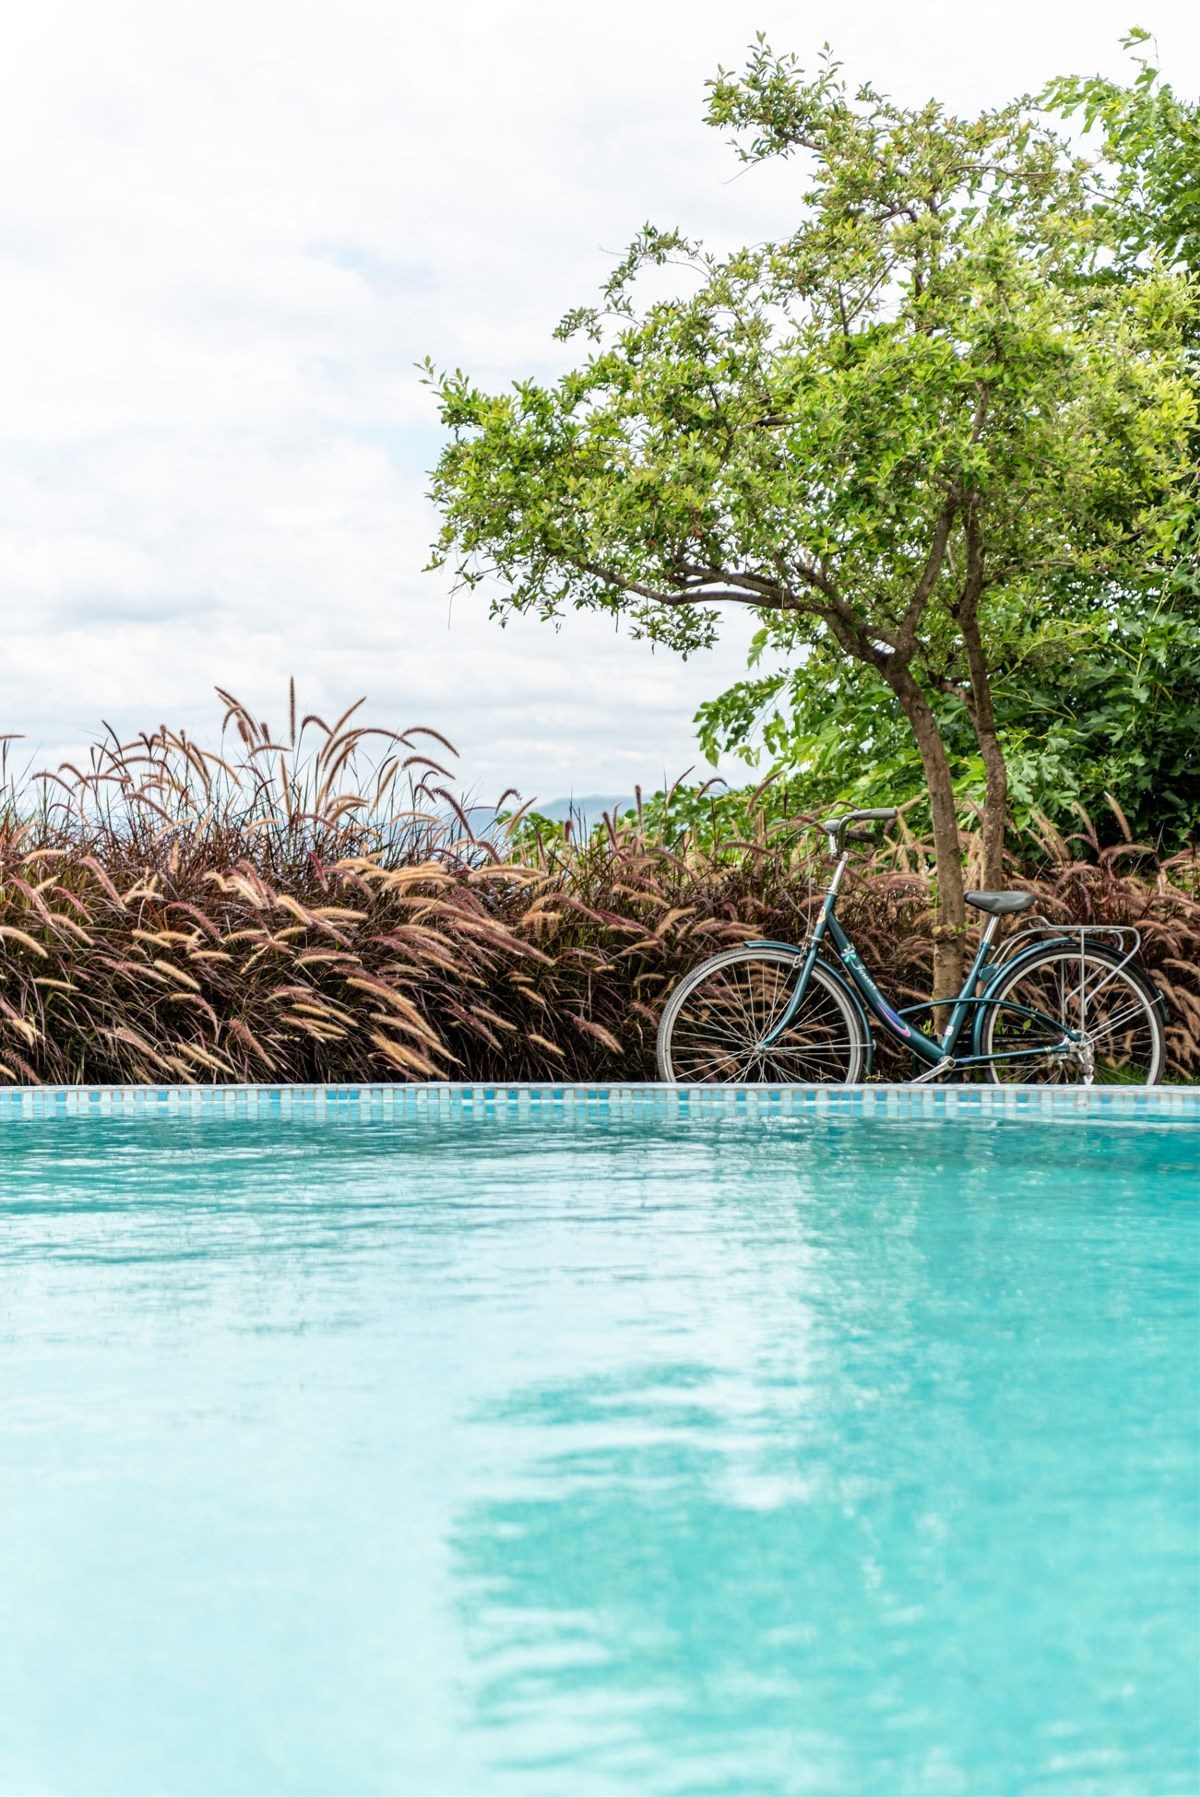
{"points": [[1096, 689], [1148, 647], [879, 433]]}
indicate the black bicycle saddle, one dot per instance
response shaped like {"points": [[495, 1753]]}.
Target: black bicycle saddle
{"points": [[999, 904]]}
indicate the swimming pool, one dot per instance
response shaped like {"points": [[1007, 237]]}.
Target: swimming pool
{"points": [[482, 1444]]}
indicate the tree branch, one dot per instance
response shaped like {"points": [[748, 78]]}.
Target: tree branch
{"points": [[907, 628]]}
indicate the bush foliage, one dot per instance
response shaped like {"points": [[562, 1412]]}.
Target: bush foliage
{"points": [[318, 908]]}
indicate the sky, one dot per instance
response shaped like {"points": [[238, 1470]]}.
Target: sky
{"points": [[228, 235]]}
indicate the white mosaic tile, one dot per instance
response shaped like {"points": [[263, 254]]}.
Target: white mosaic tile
{"points": [[377, 1103]]}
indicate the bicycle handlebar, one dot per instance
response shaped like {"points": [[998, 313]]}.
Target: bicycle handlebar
{"points": [[838, 829]]}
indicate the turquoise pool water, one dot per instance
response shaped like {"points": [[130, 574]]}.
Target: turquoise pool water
{"points": [[585, 1456]]}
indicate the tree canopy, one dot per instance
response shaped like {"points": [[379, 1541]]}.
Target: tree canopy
{"points": [[895, 434], [1097, 691]]}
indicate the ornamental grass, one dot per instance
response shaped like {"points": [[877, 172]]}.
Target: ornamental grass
{"points": [[314, 905]]}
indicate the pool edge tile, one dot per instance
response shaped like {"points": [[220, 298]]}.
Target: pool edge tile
{"points": [[551, 1101]]}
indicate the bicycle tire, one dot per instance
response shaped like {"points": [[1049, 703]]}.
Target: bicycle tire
{"points": [[712, 1028], [1086, 990]]}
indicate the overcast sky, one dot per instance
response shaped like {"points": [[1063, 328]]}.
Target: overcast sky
{"points": [[230, 231]]}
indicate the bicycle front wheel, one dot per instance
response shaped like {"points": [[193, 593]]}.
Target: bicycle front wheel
{"points": [[717, 1022], [1112, 1009]]}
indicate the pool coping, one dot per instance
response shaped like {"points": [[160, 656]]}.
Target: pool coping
{"points": [[544, 1099]]}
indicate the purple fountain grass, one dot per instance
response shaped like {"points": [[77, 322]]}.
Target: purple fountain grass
{"points": [[318, 908]]}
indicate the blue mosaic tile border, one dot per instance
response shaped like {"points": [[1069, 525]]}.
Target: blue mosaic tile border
{"points": [[378, 1103]]}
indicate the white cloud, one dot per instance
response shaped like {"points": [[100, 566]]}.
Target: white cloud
{"points": [[227, 235]]}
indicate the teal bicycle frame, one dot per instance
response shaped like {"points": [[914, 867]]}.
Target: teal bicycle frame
{"points": [[937, 1052]]}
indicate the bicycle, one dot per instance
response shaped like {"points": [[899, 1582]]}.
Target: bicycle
{"points": [[1059, 1004]]}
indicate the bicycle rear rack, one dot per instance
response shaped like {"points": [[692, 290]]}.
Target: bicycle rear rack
{"points": [[1123, 938]]}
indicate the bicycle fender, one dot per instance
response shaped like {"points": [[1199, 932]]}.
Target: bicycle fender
{"points": [[836, 974]]}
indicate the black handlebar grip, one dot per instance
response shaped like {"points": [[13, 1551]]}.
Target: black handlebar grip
{"points": [[842, 827]]}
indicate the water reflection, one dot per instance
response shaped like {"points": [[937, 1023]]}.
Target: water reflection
{"points": [[884, 1542]]}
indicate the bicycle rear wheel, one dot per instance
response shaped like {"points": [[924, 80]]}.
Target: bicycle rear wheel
{"points": [[1111, 1007], [714, 1027]]}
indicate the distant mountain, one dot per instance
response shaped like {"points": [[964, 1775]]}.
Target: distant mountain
{"points": [[585, 812], [588, 808]]}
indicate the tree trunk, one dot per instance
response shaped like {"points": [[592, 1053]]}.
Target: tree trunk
{"points": [[950, 929], [995, 801], [983, 717]]}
